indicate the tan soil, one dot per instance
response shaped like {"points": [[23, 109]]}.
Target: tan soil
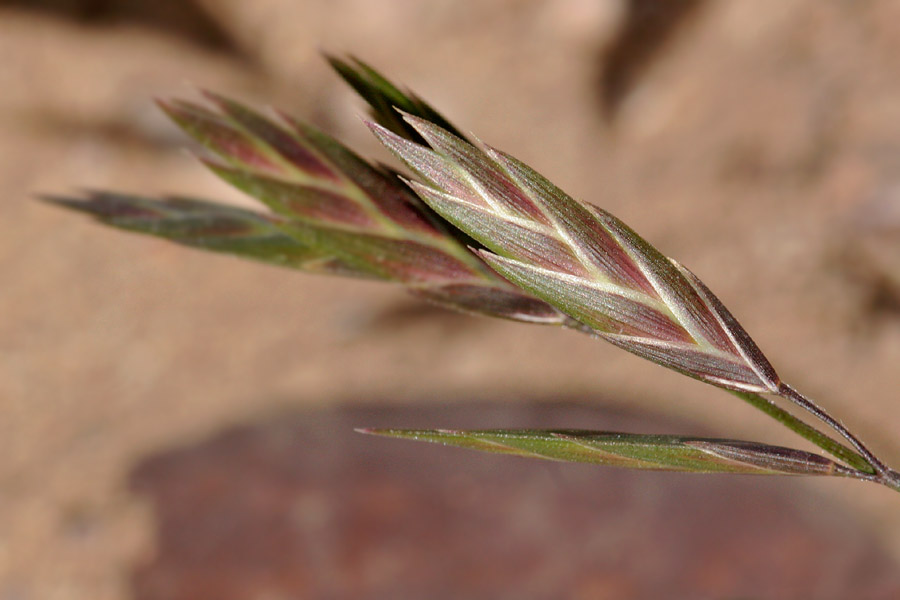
{"points": [[759, 144]]}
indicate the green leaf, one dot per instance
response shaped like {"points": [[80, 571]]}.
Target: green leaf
{"points": [[652, 452], [830, 445]]}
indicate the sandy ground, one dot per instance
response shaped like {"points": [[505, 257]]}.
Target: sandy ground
{"points": [[759, 143]]}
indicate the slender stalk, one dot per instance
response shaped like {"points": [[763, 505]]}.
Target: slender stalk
{"points": [[893, 480], [886, 475], [806, 431], [856, 474], [789, 393]]}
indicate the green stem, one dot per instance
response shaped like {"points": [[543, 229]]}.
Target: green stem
{"points": [[806, 431], [865, 465], [789, 393], [869, 467], [892, 480]]}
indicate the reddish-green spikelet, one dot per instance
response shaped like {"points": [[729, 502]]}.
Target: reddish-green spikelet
{"points": [[582, 260], [331, 212]]}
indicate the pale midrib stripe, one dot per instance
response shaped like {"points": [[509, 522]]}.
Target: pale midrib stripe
{"points": [[602, 286], [501, 214], [682, 316], [556, 228], [348, 187], [731, 337], [669, 345]]}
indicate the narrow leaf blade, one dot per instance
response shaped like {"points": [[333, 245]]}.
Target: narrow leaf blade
{"points": [[634, 451]]}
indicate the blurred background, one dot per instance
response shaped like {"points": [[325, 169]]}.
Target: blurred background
{"points": [[175, 424]]}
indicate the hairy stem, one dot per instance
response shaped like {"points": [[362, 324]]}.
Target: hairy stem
{"points": [[789, 393], [885, 475], [806, 431]]}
